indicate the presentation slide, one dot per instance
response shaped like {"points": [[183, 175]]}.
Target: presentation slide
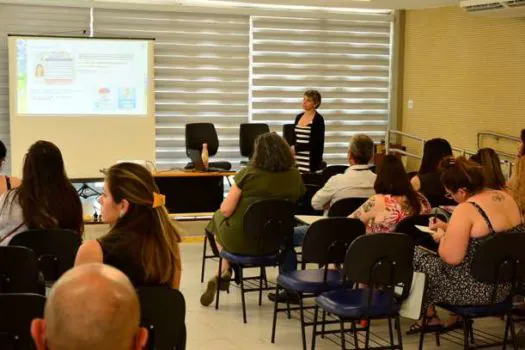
{"points": [[81, 77], [92, 97]]}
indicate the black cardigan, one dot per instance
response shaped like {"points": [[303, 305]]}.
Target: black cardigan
{"points": [[316, 145]]}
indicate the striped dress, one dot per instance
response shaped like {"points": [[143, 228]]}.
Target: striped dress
{"points": [[302, 136]]}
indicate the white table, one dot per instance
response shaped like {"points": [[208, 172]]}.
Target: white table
{"points": [[309, 219]]}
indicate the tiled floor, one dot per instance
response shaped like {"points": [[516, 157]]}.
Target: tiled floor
{"points": [[223, 329]]}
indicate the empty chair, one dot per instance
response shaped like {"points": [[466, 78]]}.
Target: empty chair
{"points": [[248, 132], [18, 310], [163, 313], [55, 250], [269, 224], [19, 271], [382, 261], [407, 226], [325, 243], [289, 133], [345, 207], [304, 206], [199, 133]]}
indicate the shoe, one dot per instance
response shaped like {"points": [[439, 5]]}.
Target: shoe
{"points": [[284, 297], [209, 294], [226, 278]]}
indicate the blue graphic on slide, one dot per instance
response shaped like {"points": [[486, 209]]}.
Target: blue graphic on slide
{"points": [[127, 99]]}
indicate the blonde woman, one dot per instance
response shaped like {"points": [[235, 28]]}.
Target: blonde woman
{"points": [[142, 241]]}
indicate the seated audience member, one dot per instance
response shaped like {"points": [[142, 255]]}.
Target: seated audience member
{"points": [[271, 175], [428, 179], [491, 164], [517, 183], [521, 144], [480, 214], [93, 306], [6, 182], [46, 199], [142, 241], [395, 199], [357, 181]]}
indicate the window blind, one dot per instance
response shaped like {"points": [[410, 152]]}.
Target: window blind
{"points": [[33, 20], [347, 61], [201, 74]]}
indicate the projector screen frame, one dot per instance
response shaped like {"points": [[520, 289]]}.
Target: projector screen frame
{"points": [[143, 135]]}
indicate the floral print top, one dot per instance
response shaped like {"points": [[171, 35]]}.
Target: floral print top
{"points": [[382, 212]]}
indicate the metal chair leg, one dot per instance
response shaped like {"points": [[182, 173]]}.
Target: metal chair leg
{"points": [[513, 332], [303, 327], [218, 285], [323, 324], [390, 332], [343, 341], [399, 335], [367, 338], [356, 339], [260, 285], [422, 332], [466, 342], [316, 315], [242, 294], [274, 324], [205, 245]]}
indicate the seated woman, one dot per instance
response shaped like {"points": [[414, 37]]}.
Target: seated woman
{"points": [[395, 199], [481, 213], [489, 160], [142, 241], [428, 179], [6, 182], [271, 174], [46, 199]]}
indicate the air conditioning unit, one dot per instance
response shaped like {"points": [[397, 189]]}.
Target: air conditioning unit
{"points": [[494, 8]]}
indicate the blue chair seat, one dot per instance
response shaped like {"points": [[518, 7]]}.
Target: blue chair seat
{"points": [[264, 260], [353, 303], [479, 310], [310, 281]]}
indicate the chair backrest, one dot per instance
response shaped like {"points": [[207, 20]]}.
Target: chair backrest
{"points": [[304, 206], [332, 170], [269, 225], [55, 249], [381, 259], [327, 240], [248, 132], [500, 259], [289, 133], [19, 271], [407, 226], [163, 313], [345, 207], [18, 310], [199, 133]]}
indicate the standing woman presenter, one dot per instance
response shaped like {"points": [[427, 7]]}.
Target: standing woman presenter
{"points": [[308, 141]]}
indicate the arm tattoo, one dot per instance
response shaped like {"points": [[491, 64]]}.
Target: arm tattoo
{"points": [[498, 197], [369, 205]]}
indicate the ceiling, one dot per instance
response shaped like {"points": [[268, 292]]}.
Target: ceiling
{"points": [[376, 4]]}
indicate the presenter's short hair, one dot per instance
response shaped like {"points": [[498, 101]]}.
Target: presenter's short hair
{"points": [[361, 148], [315, 96], [272, 153]]}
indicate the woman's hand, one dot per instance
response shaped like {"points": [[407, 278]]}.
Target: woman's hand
{"points": [[440, 233], [292, 148], [435, 224]]}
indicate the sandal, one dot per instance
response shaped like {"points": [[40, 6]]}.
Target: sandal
{"points": [[429, 328], [457, 324]]}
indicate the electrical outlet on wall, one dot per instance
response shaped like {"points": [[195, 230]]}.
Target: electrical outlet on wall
{"points": [[410, 103]]}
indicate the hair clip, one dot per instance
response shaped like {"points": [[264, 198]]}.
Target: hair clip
{"points": [[158, 200]]}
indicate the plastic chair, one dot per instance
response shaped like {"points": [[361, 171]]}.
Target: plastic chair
{"points": [[19, 271], [18, 310], [55, 250], [382, 261], [345, 207], [248, 132], [289, 133], [499, 260], [163, 313], [199, 133], [407, 226], [304, 207], [325, 243], [332, 170], [268, 224]]}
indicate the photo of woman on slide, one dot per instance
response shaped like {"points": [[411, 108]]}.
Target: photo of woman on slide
{"points": [[39, 71]]}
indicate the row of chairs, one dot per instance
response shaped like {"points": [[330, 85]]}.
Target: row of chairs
{"points": [[35, 259], [380, 261]]}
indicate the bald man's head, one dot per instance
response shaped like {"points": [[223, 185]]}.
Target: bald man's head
{"points": [[91, 307]]}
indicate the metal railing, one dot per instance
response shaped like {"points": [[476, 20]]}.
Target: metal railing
{"points": [[506, 164], [497, 136]]}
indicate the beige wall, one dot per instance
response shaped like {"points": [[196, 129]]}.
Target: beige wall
{"points": [[465, 74]]}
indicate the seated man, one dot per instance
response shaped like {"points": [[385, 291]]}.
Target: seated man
{"points": [[356, 182], [92, 306]]}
